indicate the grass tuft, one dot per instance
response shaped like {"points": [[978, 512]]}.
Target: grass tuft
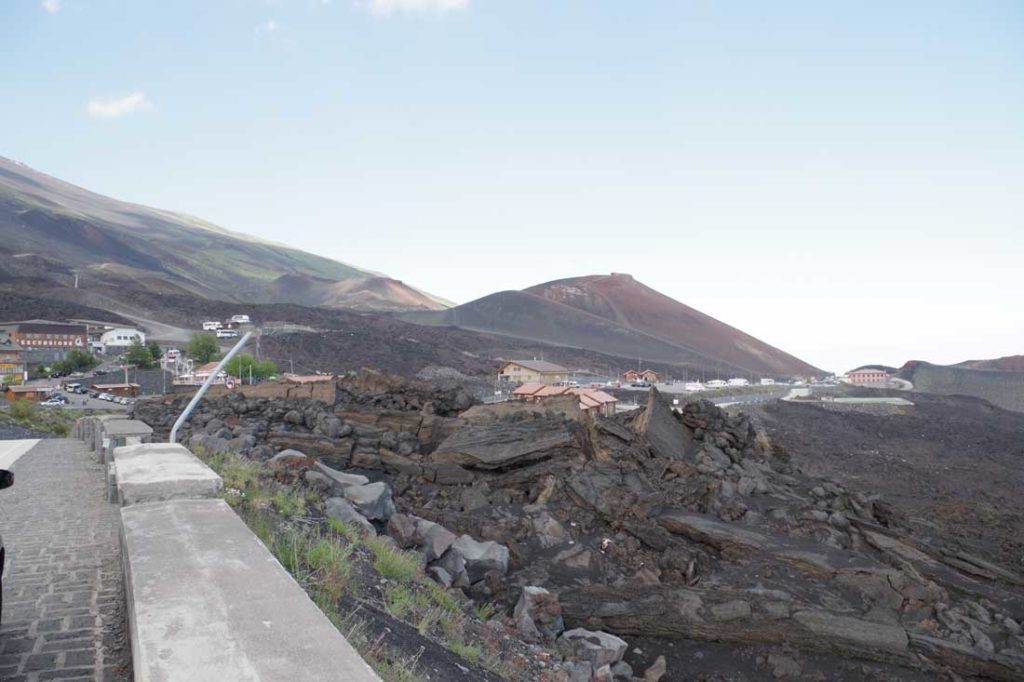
{"points": [[391, 563]]}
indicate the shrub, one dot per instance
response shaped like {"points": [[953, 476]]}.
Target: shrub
{"points": [[24, 410]]}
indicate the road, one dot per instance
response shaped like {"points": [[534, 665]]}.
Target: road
{"points": [[63, 594]]}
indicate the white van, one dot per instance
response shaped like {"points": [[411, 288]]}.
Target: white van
{"points": [[211, 326], [240, 319], [227, 334]]}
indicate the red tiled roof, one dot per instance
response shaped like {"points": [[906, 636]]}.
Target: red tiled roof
{"points": [[528, 389]]}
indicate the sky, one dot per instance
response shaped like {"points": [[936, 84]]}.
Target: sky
{"points": [[842, 180]]}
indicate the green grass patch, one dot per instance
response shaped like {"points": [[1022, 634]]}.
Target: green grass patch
{"points": [[345, 530], [399, 600], [28, 414], [391, 563], [288, 504], [469, 652]]}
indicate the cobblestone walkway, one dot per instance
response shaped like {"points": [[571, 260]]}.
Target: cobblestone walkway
{"points": [[63, 593]]}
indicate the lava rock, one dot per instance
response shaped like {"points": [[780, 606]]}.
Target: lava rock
{"points": [[373, 500], [341, 509], [538, 614], [481, 557]]}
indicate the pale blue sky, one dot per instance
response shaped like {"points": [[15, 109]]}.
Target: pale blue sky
{"points": [[843, 180]]}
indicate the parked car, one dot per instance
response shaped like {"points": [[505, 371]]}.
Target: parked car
{"points": [[6, 481], [54, 402], [226, 333], [106, 396], [99, 372]]}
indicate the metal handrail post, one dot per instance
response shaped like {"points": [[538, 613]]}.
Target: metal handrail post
{"points": [[206, 385]]}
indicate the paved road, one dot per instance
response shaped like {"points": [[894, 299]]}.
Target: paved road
{"points": [[63, 594]]}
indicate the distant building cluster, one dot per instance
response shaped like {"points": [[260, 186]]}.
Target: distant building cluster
{"points": [[591, 400], [867, 377], [532, 372], [648, 376]]}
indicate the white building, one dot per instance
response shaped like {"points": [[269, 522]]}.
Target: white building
{"points": [[716, 383], [121, 337], [767, 382], [694, 386], [738, 382]]}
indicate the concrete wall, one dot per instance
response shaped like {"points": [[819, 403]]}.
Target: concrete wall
{"points": [[1005, 389], [207, 601]]}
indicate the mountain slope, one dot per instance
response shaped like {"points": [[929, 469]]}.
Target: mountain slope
{"points": [[1009, 363], [623, 300], [114, 242], [619, 316]]}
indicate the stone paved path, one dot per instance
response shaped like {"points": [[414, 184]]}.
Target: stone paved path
{"points": [[63, 593]]}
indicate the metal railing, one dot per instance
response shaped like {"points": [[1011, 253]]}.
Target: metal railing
{"points": [[206, 385]]}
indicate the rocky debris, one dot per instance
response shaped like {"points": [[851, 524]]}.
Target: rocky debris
{"points": [[434, 539], [481, 557], [647, 524], [594, 646], [656, 671], [412, 532], [290, 460], [538, 615], [340, 508], [664, 430], [340, 480], [450, 569], [372, 500], [513, 441]]}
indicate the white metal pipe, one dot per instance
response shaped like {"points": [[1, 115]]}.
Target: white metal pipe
{"points": [[206, 385]]}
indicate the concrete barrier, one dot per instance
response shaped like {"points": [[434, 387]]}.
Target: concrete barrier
{"points": [[208, 602], [154, 472], [116, 432], [88, 429]]}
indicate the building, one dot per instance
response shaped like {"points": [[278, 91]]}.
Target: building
{"points": [[767, 382], [738, 381], [12, 362], [120, 338], [123, 390], [646, 375], [867, 376], [43, 341], [532, 371], [591, 400], [36, 393], [199, 375]]}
